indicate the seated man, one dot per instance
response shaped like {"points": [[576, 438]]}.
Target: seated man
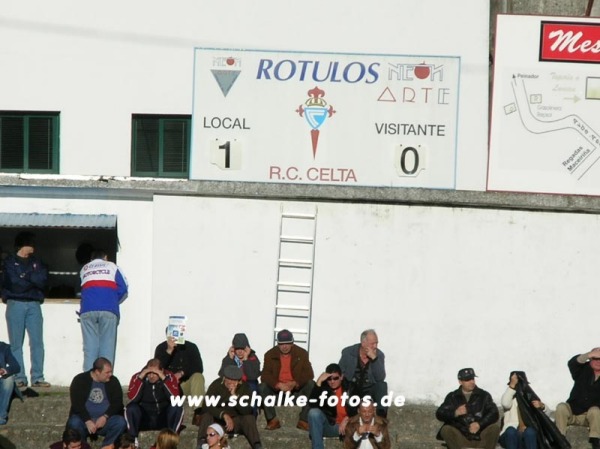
{"points": [[234, 411], [242, 355], [287, 369], [97, 403], [469, 415], [583, 406], [363, 365], [185, 361], [324, 418], [366, 430], [149, 395], [8, 368], [71, 439]]}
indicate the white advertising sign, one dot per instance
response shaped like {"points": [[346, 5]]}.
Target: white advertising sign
{"points": [[545, 132], [325, 118]]}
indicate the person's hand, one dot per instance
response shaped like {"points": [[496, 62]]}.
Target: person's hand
{"points": [[228, 422], [171, 344], [514, 380], [143, 373], [91, 426], [364, 428], [371, 353], [538, 404], [100, 422], [232, 388], [247, 351], [2, 371], [322, 378], [375, 430], [178, 375], [474, 427], [231, 352], [461, 410], [342, 426]]}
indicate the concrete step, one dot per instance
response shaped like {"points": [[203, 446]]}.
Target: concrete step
{"points": [[39, 421]]}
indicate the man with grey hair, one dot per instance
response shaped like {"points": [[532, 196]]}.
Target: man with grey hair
{"points": [[363, 365]]}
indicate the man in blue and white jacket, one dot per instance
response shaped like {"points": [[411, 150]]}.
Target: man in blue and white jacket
{"points": [[103, 288]]}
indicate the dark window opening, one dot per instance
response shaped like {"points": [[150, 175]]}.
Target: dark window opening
{"points": [[161, 145], [29, 141]]}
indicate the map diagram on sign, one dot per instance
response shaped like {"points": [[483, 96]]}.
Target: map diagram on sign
{"points": [[545, 132]]}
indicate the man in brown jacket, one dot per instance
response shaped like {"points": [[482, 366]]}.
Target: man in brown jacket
{"points": [[366, 430], [286, 371]]}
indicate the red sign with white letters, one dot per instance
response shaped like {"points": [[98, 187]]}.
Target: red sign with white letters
{"points": [[570, 42]]}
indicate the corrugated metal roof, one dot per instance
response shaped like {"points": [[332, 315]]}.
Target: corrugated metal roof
{"points": [[35, 220]]}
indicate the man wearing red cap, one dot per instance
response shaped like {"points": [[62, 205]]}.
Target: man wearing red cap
{"points": [[286, 369]]}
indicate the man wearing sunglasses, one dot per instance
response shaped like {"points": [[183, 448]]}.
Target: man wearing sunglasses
{"points": [[583, 406], [328, 414]]}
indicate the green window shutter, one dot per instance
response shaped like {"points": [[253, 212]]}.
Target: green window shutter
{"points": [[160, 145], [29, 142]]}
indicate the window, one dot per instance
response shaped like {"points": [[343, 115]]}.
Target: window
{"points": [[29, 142], [64, 242], [160, 145]]}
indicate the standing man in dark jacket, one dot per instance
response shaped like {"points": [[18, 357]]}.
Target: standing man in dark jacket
{"points": [[469, 415], [583, 406], [97, 403], [150, 406], [287, 369], [185, 362], [8, 367], [24, 279]]}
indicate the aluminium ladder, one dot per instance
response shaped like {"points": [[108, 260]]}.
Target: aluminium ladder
{"points": [[295, 274]]}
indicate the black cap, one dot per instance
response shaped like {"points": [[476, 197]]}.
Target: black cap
{"points": [[285, 336], [466, 374]]}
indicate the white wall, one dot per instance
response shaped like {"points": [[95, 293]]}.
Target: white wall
{"points": [[99, 65], [445, 288]]}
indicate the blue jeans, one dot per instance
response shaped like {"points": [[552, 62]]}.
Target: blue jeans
{"points": [[99, 331], [319, 427], [513, 439], [24, 316], [6, 390], [115, 426]]}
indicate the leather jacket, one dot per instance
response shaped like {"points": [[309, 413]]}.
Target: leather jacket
{"points": [[480, 408]]}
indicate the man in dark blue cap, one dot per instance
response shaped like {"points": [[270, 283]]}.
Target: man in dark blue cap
{"points": [[469, 415]]}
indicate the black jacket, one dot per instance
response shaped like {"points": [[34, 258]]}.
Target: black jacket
{"points": [[548, 435], [79, 392], [480, 409], [329, 411], [185, 357], [586, 390]]}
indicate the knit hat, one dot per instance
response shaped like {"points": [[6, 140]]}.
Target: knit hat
{"points": [[217, 428], [232, 372], [240, 341], [285, 336]]}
